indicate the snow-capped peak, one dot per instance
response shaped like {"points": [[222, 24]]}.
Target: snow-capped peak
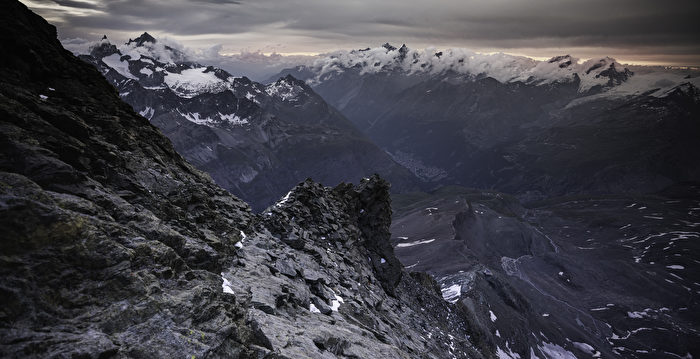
{"points": [[158, 50], [158, 65], [602, 72], [287, 89], [502, 67], [103, 48]]}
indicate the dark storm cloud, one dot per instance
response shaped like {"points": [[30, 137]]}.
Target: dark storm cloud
{"points": [[626, 26], [76, 4]]}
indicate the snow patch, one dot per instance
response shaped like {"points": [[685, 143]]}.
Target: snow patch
{"points": [[122, 67], [283, 200], [335, 304], [637, 315], [587, 348], [553, 351], [411, 244], [284, 90], [148, 113], [239, 244], [452, 293], [196, 118], [226, 286], [191, 82], [233, 119], [506, 354], [199, 119], [251, 97]]}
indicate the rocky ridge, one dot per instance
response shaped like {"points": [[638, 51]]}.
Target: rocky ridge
{"points": [[113, 246]]}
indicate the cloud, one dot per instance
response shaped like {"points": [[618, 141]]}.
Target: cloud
{"points": [[255, 65], [259, 66], [79, 45], [638, 27]]}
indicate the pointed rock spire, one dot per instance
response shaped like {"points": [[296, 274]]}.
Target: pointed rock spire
{"points": [[145, 37]]}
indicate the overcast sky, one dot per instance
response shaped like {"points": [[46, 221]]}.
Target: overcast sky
{"points": [[633, 31]]}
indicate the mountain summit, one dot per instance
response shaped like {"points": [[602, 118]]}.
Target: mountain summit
{"points": [[144, 38]]}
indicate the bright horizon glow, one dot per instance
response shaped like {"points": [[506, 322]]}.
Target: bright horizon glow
{"points": [[623, 61]]}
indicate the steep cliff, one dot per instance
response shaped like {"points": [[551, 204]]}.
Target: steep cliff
{"points": [[114, 246]]}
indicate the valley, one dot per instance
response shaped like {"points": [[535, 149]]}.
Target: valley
{"points": [[592, 270]]}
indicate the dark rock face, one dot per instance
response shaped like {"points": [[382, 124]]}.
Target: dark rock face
{"points": [[114, 246], [112, 243], [145, 37], [255, 140]]}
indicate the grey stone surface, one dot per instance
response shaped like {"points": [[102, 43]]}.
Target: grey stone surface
{"points": [[113, 246]]}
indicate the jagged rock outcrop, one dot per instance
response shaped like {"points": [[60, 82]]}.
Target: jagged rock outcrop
{"points": [[114, 246], [333, 283], [111, 243]]}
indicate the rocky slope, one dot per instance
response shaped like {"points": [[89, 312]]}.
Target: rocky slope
{"points": [[114, 246], [576, 277], [254, 140], [525, 127]]}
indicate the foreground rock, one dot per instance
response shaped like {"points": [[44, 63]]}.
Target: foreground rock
{"points": [[114, 246]]}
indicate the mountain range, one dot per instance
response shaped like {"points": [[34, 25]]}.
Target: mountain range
{"points": [[254, 140], [538, 209], [530, 128]]}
